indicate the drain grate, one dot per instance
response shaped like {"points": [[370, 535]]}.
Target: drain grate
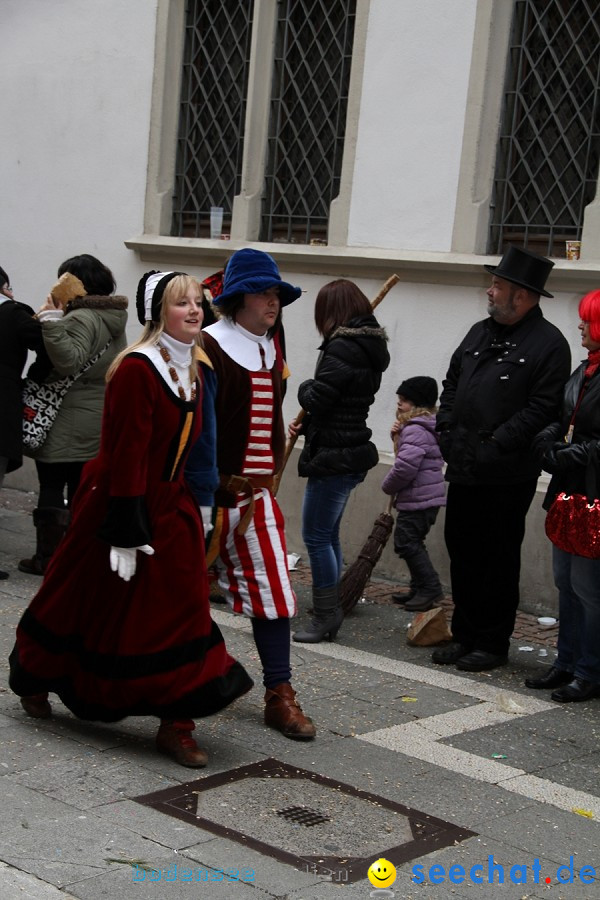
{"points": [[303, 816]]}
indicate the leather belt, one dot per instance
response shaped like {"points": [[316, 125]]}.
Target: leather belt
{"points": [[246, 485]]}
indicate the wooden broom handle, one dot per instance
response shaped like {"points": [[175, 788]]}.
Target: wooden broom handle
{"points": [[385, 289], [288, 450]]}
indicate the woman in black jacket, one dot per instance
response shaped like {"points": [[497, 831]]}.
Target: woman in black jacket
{"points": [[19, 332], [337, 451], [568, 446]]}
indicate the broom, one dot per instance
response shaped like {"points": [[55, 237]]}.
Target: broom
{"points": [[356, 576], [385, 289]]}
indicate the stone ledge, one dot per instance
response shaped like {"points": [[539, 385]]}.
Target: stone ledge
{"points": [[411, 266]]}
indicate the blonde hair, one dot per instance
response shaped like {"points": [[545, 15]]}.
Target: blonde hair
{"points": [[404, 418], [175, 289]]}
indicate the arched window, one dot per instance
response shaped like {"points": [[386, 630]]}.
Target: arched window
{"points": [[216, 60], [549, 144], [304, 130]]}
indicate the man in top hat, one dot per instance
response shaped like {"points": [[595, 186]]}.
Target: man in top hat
{"points": [[248, 539], [504, 385]]}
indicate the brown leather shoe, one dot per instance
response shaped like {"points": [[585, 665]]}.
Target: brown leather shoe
{"points": [[283, 712], [175, 739], [37, 706]]}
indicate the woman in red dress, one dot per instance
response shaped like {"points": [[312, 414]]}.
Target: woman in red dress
{"points": [[121, 625]]}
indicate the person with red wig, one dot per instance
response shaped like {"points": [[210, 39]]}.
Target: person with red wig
{"points": [[568, 446]]}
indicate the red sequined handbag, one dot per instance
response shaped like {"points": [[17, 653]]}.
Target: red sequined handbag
{"points": [[573, 520]]}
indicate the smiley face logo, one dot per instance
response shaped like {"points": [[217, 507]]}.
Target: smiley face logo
{"points": [[381, 873]]}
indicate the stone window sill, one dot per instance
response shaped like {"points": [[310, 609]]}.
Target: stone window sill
{"points": [[358, 262]]}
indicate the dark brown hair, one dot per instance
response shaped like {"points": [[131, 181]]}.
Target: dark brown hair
{"points": [[96, 277], [337, 303]]}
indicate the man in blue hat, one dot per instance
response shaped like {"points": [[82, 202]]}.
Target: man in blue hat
{"points": [[248, 539], [504, 385]]}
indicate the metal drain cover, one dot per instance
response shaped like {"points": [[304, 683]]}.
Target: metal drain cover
{"points": [[303, 816], [305, 819]]}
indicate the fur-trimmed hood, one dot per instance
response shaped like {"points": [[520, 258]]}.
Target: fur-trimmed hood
{"points": [[369, 335], [98, 302]]}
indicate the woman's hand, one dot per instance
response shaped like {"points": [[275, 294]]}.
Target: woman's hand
{"points": [[123, 560], [294, 429], [50, 303]]}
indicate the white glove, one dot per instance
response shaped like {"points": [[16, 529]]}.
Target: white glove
{"points": [[123, 560], [206, 513]]}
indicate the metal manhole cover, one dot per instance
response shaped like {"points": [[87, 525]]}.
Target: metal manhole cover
{"points": [[267, 806]]}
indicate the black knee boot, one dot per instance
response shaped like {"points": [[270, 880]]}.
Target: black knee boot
{"points": [[50, 525]]}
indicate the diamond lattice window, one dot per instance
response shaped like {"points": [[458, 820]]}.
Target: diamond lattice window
{"points": [[309, 97], [211, 124], [549, 147]]}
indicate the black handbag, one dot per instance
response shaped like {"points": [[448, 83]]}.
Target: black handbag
{"points": [[41, 403]]}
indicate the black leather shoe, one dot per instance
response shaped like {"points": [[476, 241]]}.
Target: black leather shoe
{"points": [[480, 660], [553, 678], [401, 599], [451, 653], [576, 691]]}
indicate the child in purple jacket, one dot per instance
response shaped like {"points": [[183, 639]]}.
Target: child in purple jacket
{"points": [[416, 481]]}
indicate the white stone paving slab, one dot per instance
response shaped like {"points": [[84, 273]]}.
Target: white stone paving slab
{"points": [[469, 719], [555, 794], [450, 758]]}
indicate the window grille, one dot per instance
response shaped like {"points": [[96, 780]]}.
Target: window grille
{"points": [[211, 123], [549, 146], [309, 98]]}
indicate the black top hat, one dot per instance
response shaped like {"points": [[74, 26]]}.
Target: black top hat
{"points": [[528, 270]]}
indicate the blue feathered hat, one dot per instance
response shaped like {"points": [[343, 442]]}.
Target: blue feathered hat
{"points": [[251, 272]]}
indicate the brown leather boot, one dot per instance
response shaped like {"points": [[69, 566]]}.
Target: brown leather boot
{"points": [[175, 739], [283, 712], [37, 706]]}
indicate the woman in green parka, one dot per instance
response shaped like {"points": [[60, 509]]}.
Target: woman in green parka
{"points": [[72, 337]]}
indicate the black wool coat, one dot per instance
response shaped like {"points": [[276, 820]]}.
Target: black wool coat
{"points": [[338, 398], [19, 332], [503, 386]]}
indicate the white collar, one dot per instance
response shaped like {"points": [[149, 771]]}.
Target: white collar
{"points": [[243, 346], [180, 353]]}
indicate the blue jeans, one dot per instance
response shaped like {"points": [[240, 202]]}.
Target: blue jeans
{"points": [[324, 504], [578, 583]]}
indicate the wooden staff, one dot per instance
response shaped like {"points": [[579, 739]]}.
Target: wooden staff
{"points": [[385, 289]]}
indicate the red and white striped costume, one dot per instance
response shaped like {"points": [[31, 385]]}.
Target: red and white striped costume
{"points": [[253, 570]]}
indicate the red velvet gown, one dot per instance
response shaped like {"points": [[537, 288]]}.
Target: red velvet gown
{"points": [[111, 648]]}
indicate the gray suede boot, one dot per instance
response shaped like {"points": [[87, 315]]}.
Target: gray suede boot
{"points": [[327, 617]]}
